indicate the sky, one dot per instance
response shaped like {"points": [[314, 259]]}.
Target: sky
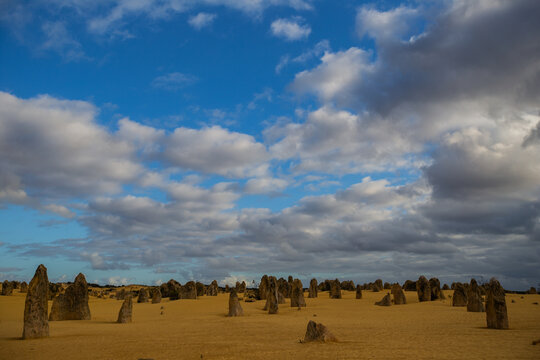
{"points": [[146, 140]]}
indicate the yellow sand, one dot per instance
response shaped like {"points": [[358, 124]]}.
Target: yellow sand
{"points": [[195, 329]]}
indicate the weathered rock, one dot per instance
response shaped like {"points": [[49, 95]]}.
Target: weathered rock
{"points": [[272, 296], [24, 287], [347, 285], [212, 289], [532, 290], [126, 311], [234, 305], [460, 297], [73, 304], [399, 295], [387, 286], [446, 287], [313, 291], [435, 287], [474, 299], [423, 289], [409, 285], [36, 324], [358, 291], [143, 295], [385, 301], [263, 287], [335, 289], [7, 288], [188, 291], [284, 289], [496, 315], [297, 294], [318, 332], [156, 295], [121, 294], [200, 288], [251, 295], [378, 284]]}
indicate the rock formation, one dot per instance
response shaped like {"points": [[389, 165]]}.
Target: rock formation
{"points": [[212, 289], [474, 299], [358, 291], [409, 285], [188, 291], [272, 296], [313, 291], [200, 288], [399, 295], [73, 304], [423, 289], [124, 315], [7, 288], [24, 287], [143, 295], [496, 315], [347, 285], [263, 287], [531, 291], [335, 289], [156, 295], [234, 305], [318, 332], [385, 301], [36, 324], [460, 297], [378, 285], [435, 287], [297, 294]]}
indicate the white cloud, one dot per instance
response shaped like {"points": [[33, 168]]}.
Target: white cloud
{"points": [[384, 25], [54, 149], [265, 185], [201, 20], [290, 29], [217, 151], [173, 81], [336, 77]]}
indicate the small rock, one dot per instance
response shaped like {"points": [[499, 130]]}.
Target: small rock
{"points": [[318, 332]]}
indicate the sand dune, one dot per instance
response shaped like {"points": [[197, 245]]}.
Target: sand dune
{"points": [[195, 329]]}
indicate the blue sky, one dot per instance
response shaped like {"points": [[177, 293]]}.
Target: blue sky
{"points": [[142, 141]]}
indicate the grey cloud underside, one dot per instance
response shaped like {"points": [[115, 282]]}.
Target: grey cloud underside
{"points": [[455, 110]]}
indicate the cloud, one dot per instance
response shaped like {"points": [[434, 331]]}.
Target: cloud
{"points": [[216, 150], [201, 20], [265, 185], [320, 48], [173, 81], [58, 39], [54, 149], [338, 75], [384, 25], [290, 29]]}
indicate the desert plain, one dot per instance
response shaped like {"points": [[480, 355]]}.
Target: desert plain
{"points": [[200, 329]]}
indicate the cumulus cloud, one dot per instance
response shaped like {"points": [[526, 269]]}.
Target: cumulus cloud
{"points": [[384, 25], [201, 20], [54, 149], [216, 150], [338, 75], [290, 29]]}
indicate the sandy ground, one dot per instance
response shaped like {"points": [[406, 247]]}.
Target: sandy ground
{"points": [[199, 329]]}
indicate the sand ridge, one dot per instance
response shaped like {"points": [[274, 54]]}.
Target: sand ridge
{"points": [[189, 329]]}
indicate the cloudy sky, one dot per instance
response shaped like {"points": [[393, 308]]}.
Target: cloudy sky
{"points": [[223, 139]]}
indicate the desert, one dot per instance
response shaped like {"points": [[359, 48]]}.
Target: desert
{"points": [[201, 328]]}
